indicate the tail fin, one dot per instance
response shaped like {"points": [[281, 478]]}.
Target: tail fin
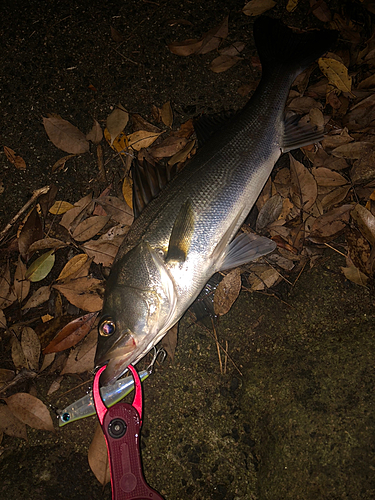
{"points": [[279, 45]]}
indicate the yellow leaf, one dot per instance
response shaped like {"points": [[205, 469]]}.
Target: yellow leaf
{"points": [[116, 122], [336, 73], [292, 5], [120, 144], [127, 191], [257, 7], [60, 207], [72, 266]]}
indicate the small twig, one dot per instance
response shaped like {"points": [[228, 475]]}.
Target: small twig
{"points": [[217, 345], [23, 375], [35, 196], [299, 274], [335, 249], [100, 158], [226, 357]]}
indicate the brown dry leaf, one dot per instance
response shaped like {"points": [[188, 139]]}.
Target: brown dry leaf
{"points": [[335, 197], [265, 194], [304, 104], [103, 251], [31, 231], [292, 5], [15, 159], [81, 358], [82, 293], [72, 333], [139, 123], [65, 136], [232, 50], [304, 187], [30, 411], [320, 10], [213, 38], [169, 342], [60, 207], [72, 267], [142, 139], [30, 345], [90, 227], [223, 63], [60, 164], [98, 457], [118, 210], [116, 231], [55, 386], [326, 177], [367, 83], [365, 222], [257, 7], [353, 150], [332, 141], [359, 249], [47, 361], [7, 295], [167, 114], [336, 73], [353, 274], [18, 356], [185, 48], [38, 297], [330, 225], [10, 424], [269, 212], [262, 276], [127, 191], [227, 292], [169, 147], [96, 133], [3, 320], [282, 182], [116, 122], [182, 155], [363, 170], [21, 284], [73, 217]]}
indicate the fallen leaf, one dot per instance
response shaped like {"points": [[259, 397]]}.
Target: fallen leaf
{"points": [[82, 293], [10, 424], [60, 163], [363, 169], [320, 10], [3, 320], [181, 155], [30, 344], [15, 159], [38, 297], [46, 243], [47, 361], [41, 267], [80, 208], [185, 48], [89, 227], [60, 207], [331, 224], [118, 210], [166, 114], [142, 139], [326, 177], [335, 197], [359, 249], [30, 411], [103, 251], [212, 39], [332, 141], [232, 50], [18, 356], [96, 133], [81, 358], [72, 333], [73, 266], [127, 191], [227, 292], [269, 212], [336, 73], [21, 284], [365, 222], [169, 147], [262, 277], [304, 104], [55, 386], [223, 63], [139, 123], [65, 136], [116, 122], [353, 150], [292, 5], [169, 342], [367, 83], [353, 274], [304, 187], [257, 7], [7, 295], [98, 457], [31, 231]]}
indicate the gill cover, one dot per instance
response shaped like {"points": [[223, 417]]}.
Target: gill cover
{"points": [[139, 305]]}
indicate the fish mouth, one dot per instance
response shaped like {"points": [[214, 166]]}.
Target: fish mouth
{"points": [[117, 358]]}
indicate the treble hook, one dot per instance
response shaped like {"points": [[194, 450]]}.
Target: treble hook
{"points": [[157, 352]]}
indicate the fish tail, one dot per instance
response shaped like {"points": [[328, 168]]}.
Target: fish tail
{"points": [[279, 45]]}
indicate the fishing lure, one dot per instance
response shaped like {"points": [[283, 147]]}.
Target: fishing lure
{"points": [[111, 394]]}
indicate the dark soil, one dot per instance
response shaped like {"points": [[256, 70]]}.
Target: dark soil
{"points": [[298, 423]]}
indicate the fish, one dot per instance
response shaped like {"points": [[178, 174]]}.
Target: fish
{"points": [[188, 232]]}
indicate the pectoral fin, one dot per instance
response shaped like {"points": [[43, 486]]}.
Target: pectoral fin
{"points": [[182, 232], [245, 248], [297, 135]]}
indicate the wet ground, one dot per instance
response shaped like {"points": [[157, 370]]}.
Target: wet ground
{"points": [[298, 422]]}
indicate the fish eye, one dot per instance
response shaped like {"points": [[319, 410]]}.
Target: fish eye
{"points": [[107, 328]]}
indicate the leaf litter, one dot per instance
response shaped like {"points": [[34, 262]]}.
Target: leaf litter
{"points": [[324, 195]]}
